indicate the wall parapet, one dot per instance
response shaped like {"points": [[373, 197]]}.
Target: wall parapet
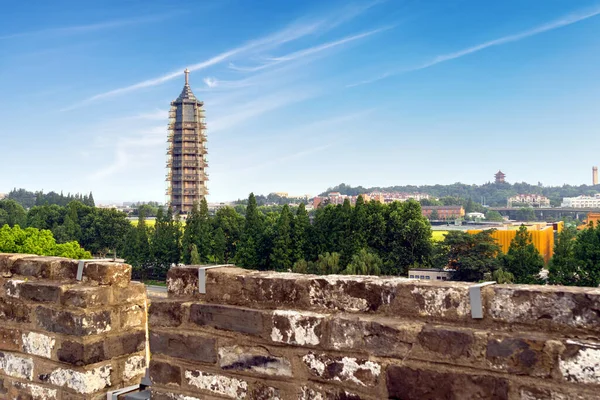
{"points": [[292, 336], [63, 338]]}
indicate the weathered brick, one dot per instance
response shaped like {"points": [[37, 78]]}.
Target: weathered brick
{"points": [[132, 316], [550, 308], [166, 313], [556, 393], [128, 342], [73, 323], [349, 293], [228, 318], [135, 292], [298, 328], [222, 385], [253, 359], [320, 392], [182, 281], [34, 391], [451, 345], [16, 365], [10, 339], [38, 344], [84, 381], [522, 355], [14, 310], [40, 291], [55, 268], [164, 373], [107, 273], [7, 260], [269, 289], [343, 369], [186, 346], [408, 383], [135, 367], [78, 353], [383, 337], [86, 296], [580, 362]]}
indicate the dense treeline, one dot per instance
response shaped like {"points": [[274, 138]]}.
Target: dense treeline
{"points": [[369, 238], [494, 194], [30, 199]]}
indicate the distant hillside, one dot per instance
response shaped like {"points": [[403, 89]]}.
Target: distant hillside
{"points": [[493, 194], [29, 199]]}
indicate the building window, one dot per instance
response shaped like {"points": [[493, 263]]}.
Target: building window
{"points": [[427, 277], [412, 277], [422, 276], [438, 277]]}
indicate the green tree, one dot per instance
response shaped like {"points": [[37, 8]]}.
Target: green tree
{"points": [[328, 263], [494, 216], [434, 216], [282, 256], [194, 256], [219, 245], [526, 214], [14, 213], [471, 257], [364, 263], [300, 230], [165, 243], [501, 276], [250, 249], [523, 260], [587, 256], [232, 224], [37, 241], [198, 232], [564, 268]]}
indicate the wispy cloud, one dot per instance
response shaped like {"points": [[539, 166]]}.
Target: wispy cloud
{"points": [[76, 29], [291, 33], [307, 52], [559, 23]]}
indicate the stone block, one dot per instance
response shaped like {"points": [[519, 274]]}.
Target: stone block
{"points": [[381, 337], [359, 372], [34, 391], [78, 353], [135, 367], [8, 259], [55, 268], [164, 373], [10, 339], [82, 381], [183, 345], [182, 281], [580, 362], [549, 308], [219, 385], [253, 359], [132, 316], [107, 273], [38, 344], [412, 383], [135, 292], [349, 293], [522, 355], [39, 291], [86, 296], [227, 285], [319, 392], [16, 366], [429, 300], [267, 289], [14, 310], [450, 345], [166, 313], [556, 393], [298, 328], [73, 323], [230, 318], [129, 342]]}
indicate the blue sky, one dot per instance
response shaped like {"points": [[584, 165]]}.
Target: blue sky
{"points": [[299, 95]]}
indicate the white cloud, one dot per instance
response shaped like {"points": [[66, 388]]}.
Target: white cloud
{"points": [[563, 21], [211, 82]]}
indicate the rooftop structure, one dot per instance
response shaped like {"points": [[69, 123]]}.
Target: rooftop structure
{"points": [[187, 151], [534, 200], [500, 177], [582, 201], [594, 176]]}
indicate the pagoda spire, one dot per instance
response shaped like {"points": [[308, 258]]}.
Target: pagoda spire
{"points": [[187, 74]]}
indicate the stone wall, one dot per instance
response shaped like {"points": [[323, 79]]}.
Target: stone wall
{"points": [[266, 335], [65, 339]]}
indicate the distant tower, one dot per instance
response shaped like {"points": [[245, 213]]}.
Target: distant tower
{"points": [[500, 177], [187, 151], [594, 176]]}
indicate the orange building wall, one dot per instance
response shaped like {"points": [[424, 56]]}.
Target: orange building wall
{"points": [[542, 238]]}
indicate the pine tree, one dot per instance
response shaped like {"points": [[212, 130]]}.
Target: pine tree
{"points": [[198, 232], [587, 256], [165, 243], [194, 256], [301, 229], [250, 246], [563, 268], [523, 260], [282, 255], [219, 245]]}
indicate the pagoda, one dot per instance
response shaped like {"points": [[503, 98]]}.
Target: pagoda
{"points": [[187, 151], [500, 177]]}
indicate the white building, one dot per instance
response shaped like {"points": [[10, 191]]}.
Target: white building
{"points": [[582, 201], [534, 200]]}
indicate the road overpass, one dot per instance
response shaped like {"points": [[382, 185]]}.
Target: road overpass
{"points": [[543, 212]]}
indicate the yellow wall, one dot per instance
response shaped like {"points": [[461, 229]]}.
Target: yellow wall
{"points": [[542, 238]]}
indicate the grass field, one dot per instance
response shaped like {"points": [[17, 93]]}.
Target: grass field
{"points": [[149, 222]]}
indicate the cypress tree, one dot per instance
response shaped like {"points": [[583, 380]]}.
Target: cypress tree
{"points": [[282, 255], [523, 260]]}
